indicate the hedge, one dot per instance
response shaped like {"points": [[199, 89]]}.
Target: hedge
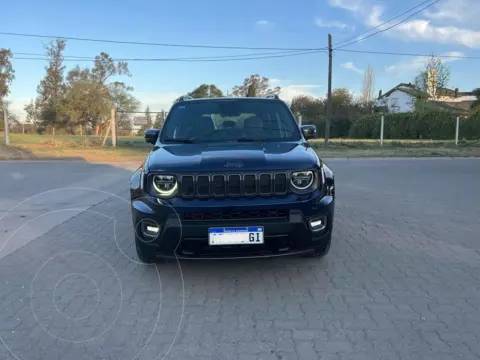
{"points": [[437, 125]]}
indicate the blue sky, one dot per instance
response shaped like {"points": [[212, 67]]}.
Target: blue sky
{"points": [[450, 27]]}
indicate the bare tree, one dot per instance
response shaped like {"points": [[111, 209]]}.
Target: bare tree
{"points": [[434, 77], [368, 89]]}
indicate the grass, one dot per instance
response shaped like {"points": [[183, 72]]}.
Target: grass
{"points": [[134, 148]]}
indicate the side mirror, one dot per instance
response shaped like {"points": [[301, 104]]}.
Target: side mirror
{"points": [[151, 136], [308, 132]]}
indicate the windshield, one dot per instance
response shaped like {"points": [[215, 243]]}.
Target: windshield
{"points": [[230, 120]]}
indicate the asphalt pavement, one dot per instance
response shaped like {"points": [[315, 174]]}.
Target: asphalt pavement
{"points": [[401, 280]]}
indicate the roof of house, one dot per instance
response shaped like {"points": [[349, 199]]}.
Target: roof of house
{"points": [[461, 107], [406, 88], [411, 90]]}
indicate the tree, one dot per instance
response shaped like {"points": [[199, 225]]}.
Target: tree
{"points": [[206, 91], [309, 108], [124, 102], [341, 98], [476, 104], [148, 117], [255, 86], [86, 100], [104, 68], [368, 88], [30, 110], [159, 119], [52, 87], [434, 77], [7, 74]]}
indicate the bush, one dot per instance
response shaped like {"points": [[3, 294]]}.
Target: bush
{"points": [[438, 125]]}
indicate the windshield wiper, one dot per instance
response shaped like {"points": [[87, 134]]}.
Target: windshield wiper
{"points": [[245, 139], [180, 140]]}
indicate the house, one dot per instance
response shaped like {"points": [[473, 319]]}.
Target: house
{"points": [[402, 98]]}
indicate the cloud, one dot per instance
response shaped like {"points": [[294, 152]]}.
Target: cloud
{"points": [[264, 24], [332, 24], [464, 11], [16, 105], [351, 5], [422, 30], [418, 63], [351, 66], [289, 91]]}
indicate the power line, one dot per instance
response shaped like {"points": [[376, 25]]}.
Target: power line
{"points": [[90, 58], [156, 44], [390, 27], [185, 59], [384, 23], [410, 54]]}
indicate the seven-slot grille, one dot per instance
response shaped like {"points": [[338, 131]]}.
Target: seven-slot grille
{"points": [[234, 185]]}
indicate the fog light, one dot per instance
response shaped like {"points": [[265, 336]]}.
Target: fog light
{"points": [[318, 224], [150, 230]]}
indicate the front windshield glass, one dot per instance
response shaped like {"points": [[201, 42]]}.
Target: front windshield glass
{"points": [[230, 120]]}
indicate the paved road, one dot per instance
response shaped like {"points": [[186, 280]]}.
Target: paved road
{"points": [[402, 280]]}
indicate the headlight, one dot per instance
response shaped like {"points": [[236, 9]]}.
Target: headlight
{"points": [[165, 185], [302, 180]]}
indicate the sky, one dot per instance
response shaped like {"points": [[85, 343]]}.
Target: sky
{"points": [[449, 27]]}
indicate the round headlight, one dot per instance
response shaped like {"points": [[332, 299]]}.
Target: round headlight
{"points": [[302, 180], [165, 185]]}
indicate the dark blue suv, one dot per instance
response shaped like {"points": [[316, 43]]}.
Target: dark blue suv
{"points": [[231, 177]]}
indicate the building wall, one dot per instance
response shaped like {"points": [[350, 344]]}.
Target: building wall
{"points": [[398, 101]]}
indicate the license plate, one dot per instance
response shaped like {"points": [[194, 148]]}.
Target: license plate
{"points": [[235, 235]]}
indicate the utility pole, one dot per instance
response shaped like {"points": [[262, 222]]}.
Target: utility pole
{"points": [[329, 93], [5, 122]]}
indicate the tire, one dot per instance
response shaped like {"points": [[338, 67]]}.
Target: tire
{"points": [[144, 254], [320, 251]]}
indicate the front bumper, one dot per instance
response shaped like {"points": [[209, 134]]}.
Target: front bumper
{"points": [[184, 233]]}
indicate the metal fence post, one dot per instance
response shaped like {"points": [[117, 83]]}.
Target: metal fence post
{"points": [[456, 130], [381, 131]]}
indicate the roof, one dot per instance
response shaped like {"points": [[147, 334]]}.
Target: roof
{"points": [[461, 107], [406, 88], [411, 90]]}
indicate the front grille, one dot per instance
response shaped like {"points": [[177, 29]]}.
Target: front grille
{"points": [[233, 185], [235, 215]]}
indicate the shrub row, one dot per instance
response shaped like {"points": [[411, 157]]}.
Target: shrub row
{"points": [[437, 125]]}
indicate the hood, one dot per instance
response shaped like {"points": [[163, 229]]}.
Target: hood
{"points": [[232, 157]]}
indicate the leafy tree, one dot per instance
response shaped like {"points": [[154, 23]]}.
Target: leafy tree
{"points": [[85, 100], [7, 74], [105, 68], [434, 77], [206, 91], [31, 112], [309, 108], [159, 119], [341, 98], [255, 86], [124, 102], [52, 87], [148, 117]]}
